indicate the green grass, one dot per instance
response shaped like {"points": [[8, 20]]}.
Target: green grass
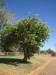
{"points": [[14, 63]]}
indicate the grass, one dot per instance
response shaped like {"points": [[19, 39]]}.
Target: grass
{"points": [[14, 64]]}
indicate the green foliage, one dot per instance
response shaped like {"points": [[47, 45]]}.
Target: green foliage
{"points": [[2, 19], [8, 37], [28, 33], [31, 34]]}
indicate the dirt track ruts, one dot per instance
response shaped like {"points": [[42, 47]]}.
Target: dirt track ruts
{"points": [[50, 69]]}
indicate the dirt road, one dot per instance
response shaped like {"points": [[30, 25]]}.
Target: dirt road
{"points": [[50, 69]]}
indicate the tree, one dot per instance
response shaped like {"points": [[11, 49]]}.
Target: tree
{"points": [[1, 13], [8, 38], [5, 16], [29, 34], [50, 51]]}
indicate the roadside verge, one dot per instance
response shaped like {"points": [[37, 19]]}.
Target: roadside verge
{"points": [[39, 69]]}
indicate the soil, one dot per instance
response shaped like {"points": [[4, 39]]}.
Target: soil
{"points": [[50, 69]]}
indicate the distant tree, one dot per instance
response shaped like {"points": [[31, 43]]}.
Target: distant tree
{"points": [[43, 51], [28, 33], [5, 16], [1, 13], [50, 51]]}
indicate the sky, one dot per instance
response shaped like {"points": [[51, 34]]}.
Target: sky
{"points": [[44, 9]]}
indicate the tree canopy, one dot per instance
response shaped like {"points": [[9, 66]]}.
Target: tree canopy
{"points": [[29, 34]]}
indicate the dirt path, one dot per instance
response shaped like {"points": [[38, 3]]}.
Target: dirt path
{"points": [[50, 69], [6, 73]]}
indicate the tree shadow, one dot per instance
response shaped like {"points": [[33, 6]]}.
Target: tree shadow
{"points": [[13, 61]]}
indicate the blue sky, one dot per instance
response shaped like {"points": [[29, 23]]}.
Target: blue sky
{"points": [[45, 9]]}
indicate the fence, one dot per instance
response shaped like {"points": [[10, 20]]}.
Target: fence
{"points": [[11, 53]]}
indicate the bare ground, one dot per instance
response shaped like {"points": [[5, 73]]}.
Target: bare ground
{"points": [[46, 58], [50, 69]]}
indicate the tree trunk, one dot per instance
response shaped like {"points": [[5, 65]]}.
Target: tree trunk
{"points": [[25, 55]]}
